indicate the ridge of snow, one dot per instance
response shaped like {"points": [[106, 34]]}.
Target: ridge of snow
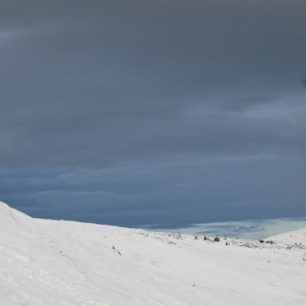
{"points": [[47, 262], [293, 237]]}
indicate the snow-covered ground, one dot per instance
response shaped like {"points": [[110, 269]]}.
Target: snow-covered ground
{"points": [[45, 262], [294, 237]]}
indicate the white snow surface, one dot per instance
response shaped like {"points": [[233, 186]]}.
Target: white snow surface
{"points": [[294, 237], [47, 262]]}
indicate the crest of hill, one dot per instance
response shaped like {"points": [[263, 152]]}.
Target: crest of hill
{"points": [[294, 237], [10, 217]]}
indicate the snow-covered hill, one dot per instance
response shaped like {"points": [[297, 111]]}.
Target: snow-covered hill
{"points": [[294, 237], [44, 262]]}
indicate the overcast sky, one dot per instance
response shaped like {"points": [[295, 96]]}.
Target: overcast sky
{"points": [[162, 113]]}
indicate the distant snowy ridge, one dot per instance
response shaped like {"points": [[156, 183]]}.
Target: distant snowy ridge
{"points": [[294, 237], [46, 262]]}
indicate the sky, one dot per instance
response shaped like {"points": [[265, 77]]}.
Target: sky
{"points": [[161, 113]]}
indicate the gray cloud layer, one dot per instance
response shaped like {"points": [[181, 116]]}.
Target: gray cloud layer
{"points": [[95, 86]]}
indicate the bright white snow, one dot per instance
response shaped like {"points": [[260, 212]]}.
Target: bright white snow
{"points": [[44, 262]]}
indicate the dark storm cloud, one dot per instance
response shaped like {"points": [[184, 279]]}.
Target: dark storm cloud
{"points": [[167, 194], [106, 85]]}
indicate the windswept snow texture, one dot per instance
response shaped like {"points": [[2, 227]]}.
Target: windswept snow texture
{"points": [[44, 262]]}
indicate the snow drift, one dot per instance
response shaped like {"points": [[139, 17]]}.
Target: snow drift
{"points": [[46, 262]]}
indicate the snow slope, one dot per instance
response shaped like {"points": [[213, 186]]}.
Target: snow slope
{"points": [[45, 262], [294, 237]]}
